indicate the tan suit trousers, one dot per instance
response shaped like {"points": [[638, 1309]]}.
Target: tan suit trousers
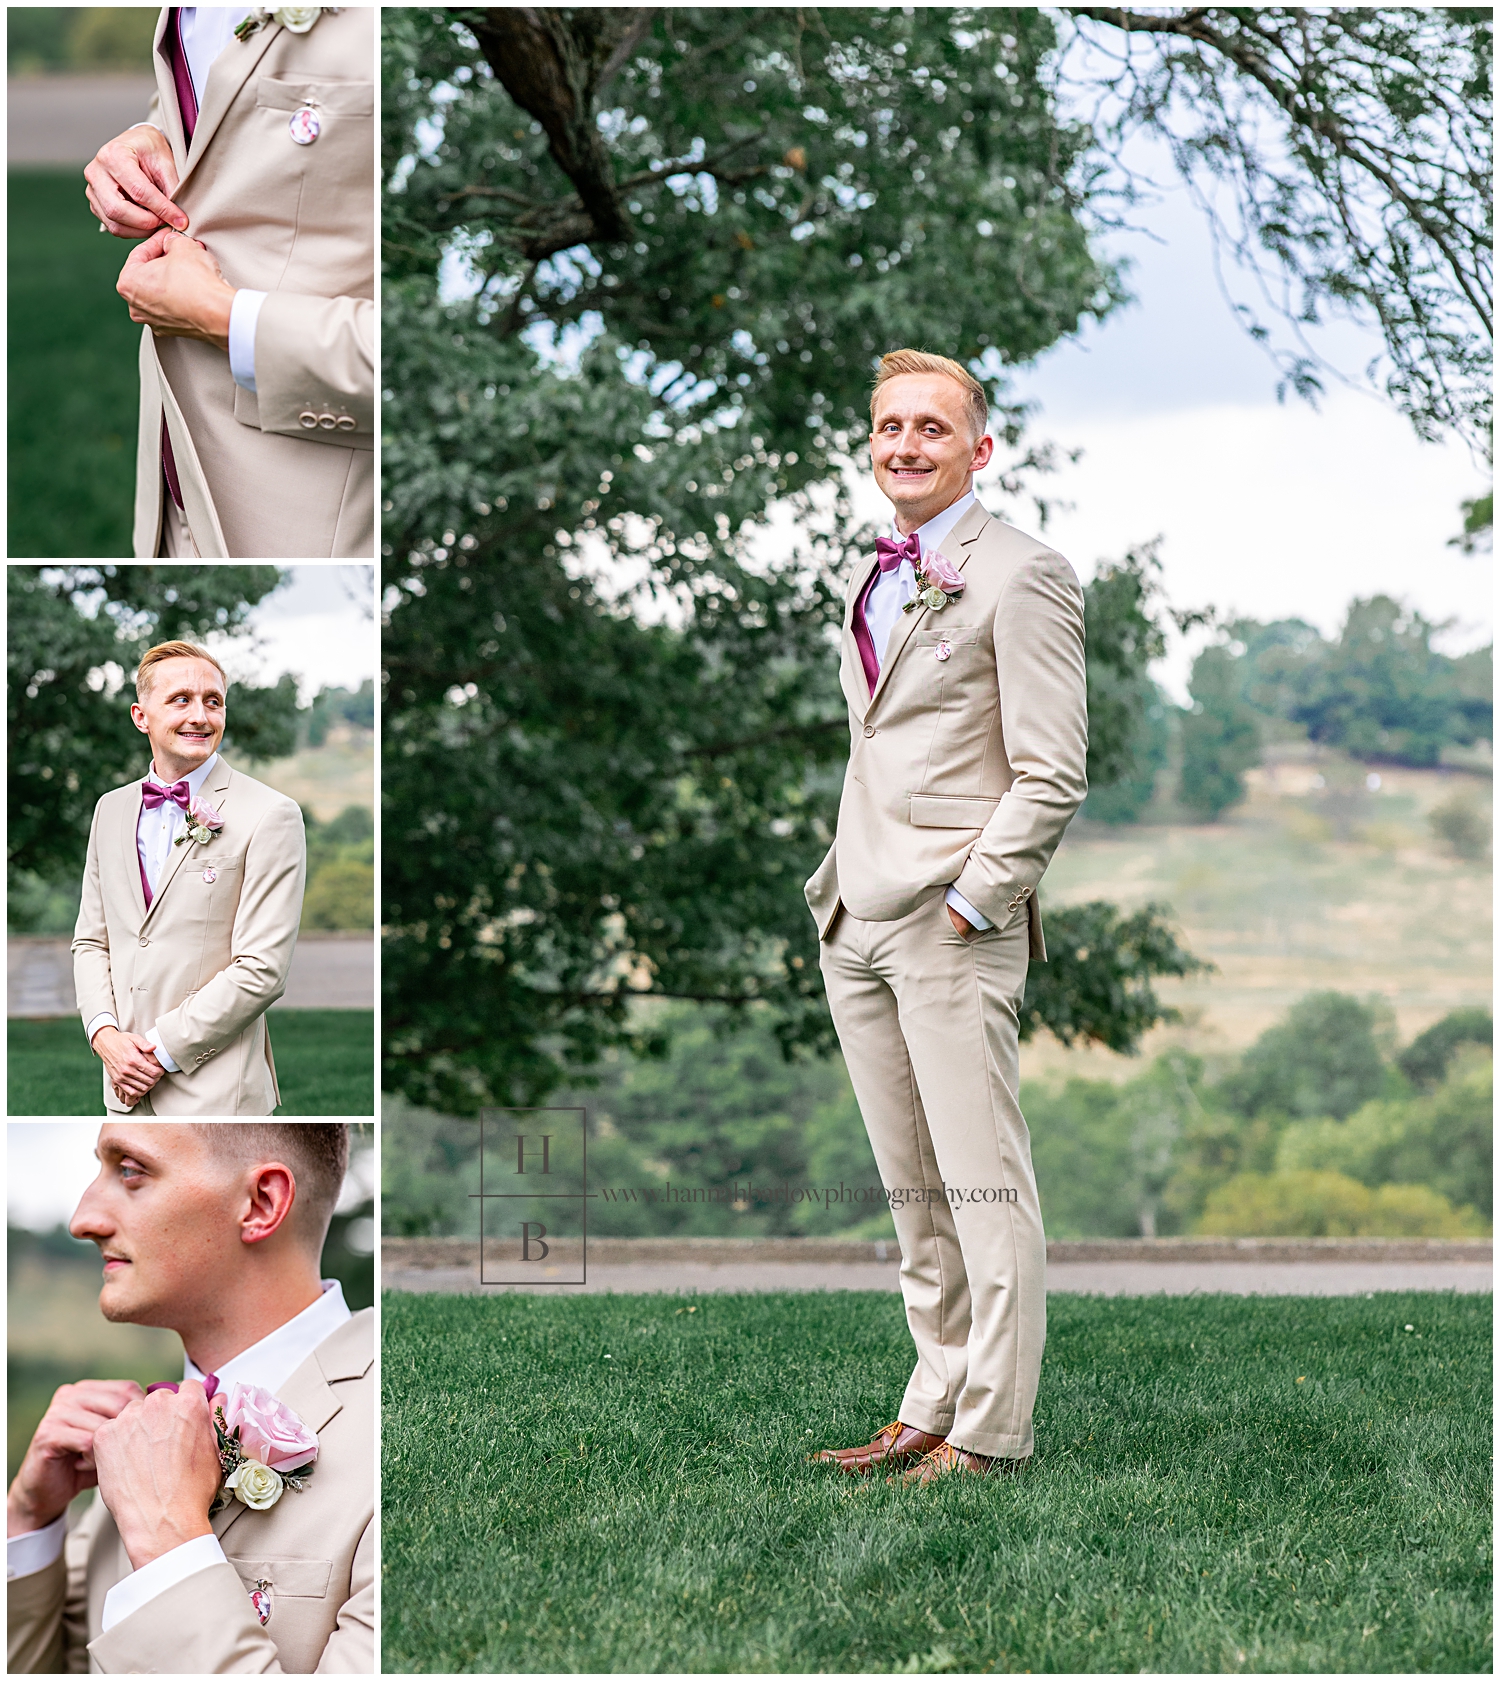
{"points": [[929, 1024]]}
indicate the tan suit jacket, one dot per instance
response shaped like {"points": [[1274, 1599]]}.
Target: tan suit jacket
{"points": [[316, 1547], [286, 471], [210, 957], [963, 770]]}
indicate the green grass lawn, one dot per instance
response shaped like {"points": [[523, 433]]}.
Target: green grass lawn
{"points": [[74, 387], [1221, 1483], [324, 1065]]}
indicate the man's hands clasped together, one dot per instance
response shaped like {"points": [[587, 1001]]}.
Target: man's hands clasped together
{"points": [[131, 1061], [171, 282], [154, 1459]]}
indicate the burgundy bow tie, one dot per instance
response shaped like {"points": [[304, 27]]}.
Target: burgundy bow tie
{"points": [[210, 1384], [154, 795], [891, 554]]}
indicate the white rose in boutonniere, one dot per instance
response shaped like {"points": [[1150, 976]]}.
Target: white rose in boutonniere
{"points": [[264, 1448], [296, 19], [203, 823]]}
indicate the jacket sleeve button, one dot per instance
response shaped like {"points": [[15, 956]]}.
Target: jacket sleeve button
{"points": [[308, 419], [347, 423]]}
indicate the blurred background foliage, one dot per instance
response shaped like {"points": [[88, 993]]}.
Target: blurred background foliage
{"points": [[56, 1334], [79, 39], [1323, 1127], [75, 633]]}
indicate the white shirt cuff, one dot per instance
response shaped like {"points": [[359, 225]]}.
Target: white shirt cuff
{"points": [[127, 1597], [965, 909], [244, 312], [163, 1055], [36, 1549], [103, 1019]]}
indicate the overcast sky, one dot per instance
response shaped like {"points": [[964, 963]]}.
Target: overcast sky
{"points": [[317, 625]]}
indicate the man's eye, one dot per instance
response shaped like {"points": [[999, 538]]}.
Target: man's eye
{"points": [[127, 1169]]}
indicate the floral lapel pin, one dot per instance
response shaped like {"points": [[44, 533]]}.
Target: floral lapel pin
{"points": [[296, 19], [203, 823], [938, 583], [264, 1448]]}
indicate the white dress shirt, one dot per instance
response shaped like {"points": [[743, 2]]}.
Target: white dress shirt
{"points": [[206, 32], [888, 595], [267, 1365], [155, 835]]}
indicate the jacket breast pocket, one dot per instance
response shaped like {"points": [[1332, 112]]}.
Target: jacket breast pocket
{"points": [[323, 93], [291, 1578]]}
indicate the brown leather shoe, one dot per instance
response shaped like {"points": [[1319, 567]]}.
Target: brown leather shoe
{"points": [[945, 1461], [893, 1445]]}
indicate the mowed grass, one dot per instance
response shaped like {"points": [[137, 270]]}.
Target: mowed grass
{"points": [[74, 385], [617, 1483], [324, 1065]]}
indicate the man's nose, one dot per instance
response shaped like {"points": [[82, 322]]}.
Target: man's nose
{"points": [[89, 1219]]}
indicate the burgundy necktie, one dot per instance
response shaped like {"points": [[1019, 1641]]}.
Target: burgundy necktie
{"points": [[187, 105], [890, 554]]}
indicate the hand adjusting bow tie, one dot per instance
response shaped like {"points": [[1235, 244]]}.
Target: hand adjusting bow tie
{"points": [[154, 795], [210, 1385], [891, 554]]}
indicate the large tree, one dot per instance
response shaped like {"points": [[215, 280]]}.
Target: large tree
{"points": [[639, 263]]}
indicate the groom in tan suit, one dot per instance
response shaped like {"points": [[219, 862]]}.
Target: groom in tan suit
{"points": [[214, 1230], [254, 182], [192, 896], [963, 666]]}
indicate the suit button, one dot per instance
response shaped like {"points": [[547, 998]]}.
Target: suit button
{"points": [[145, 942], [869, 730], [346, 423], [327, 422], [308, 419]]}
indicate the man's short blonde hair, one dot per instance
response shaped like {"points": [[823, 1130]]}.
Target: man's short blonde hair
{"points": [[898, 362], [153, 657]]}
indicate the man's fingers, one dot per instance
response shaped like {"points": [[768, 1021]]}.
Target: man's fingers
{"points": [[133, 181], [147, 252]]}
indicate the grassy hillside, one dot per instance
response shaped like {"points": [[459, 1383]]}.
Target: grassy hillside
{"points": [[1300, 888]]}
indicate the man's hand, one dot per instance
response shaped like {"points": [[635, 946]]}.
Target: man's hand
{"points": [[174, 287], [131, 182], [158, 1469], [962, 924], [131, 1061], [60, 1461]]}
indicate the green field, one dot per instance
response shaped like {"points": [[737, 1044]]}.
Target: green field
{"points": [[324, 1065], [617, 1483], [74, 387]]}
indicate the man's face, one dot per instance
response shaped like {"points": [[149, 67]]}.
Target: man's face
{"points": [[165, 1214], [183, 712], [922, 445]]}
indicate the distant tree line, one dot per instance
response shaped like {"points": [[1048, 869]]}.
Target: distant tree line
{"points": [[1317, 1129], [1378, 691]]}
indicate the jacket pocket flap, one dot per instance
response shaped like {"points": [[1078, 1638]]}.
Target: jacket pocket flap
{"points": [[293, 1578], [951, 811], [327, 93]]}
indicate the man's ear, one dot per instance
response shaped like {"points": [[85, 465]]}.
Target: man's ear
{"points": [[138, 717], [272, 1193]]}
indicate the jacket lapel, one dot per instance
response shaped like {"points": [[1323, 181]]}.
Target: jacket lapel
{"points": [[231, 70], [213, 791], [960, 539], [129, 823], [166, 94], [308, 1393], [851, 667]]}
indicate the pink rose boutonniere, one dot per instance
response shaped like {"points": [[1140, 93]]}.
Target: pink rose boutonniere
{"points": [[264, 1448], [203, 823], [938, 583]]}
